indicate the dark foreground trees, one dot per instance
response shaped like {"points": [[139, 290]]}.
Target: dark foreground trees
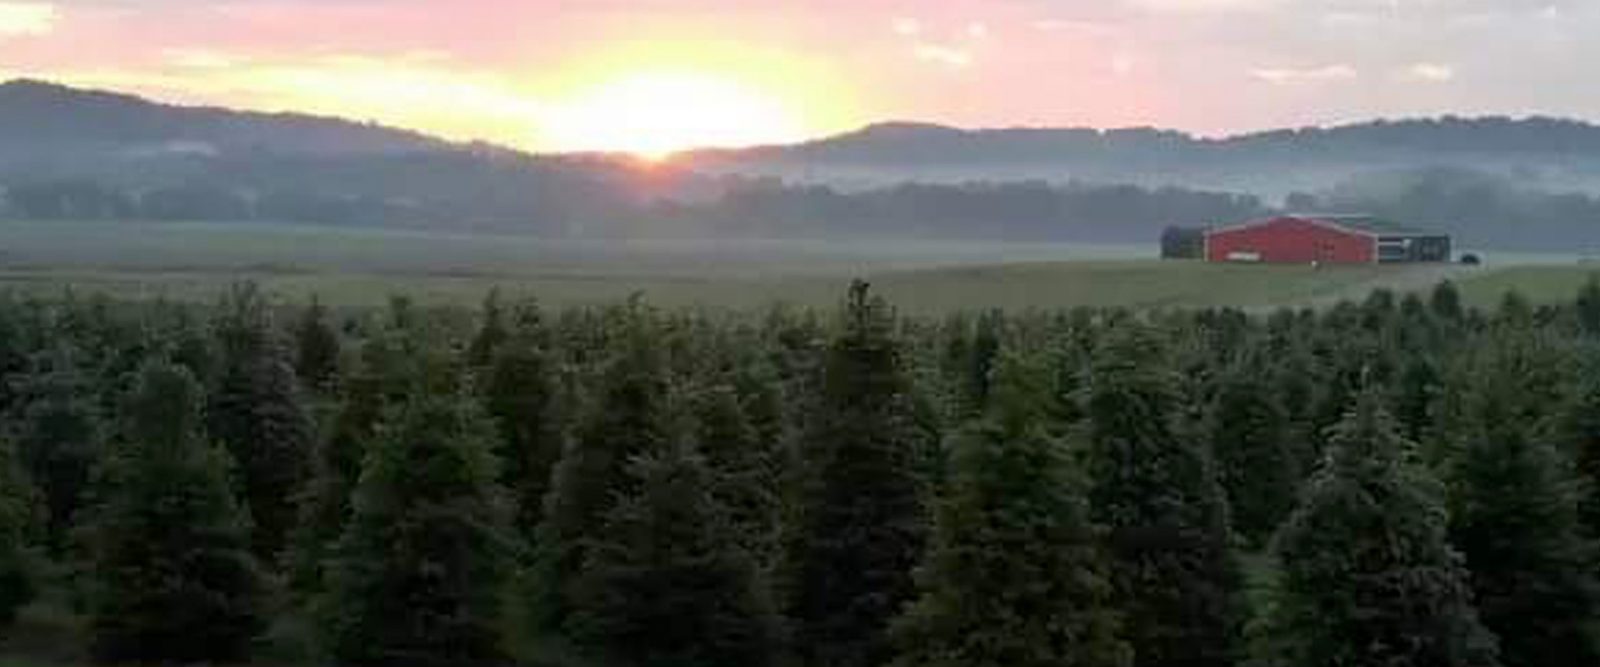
{"points": [[667, 584], [859, 522], [173, 577], [1016, 574], [17, 516], [1367, 576], [1155, 491], [419, 576]]}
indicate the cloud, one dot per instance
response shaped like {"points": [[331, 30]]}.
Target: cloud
{"points": [[27, 18], [1427, 73], [1204, 6], [949, 56], [1290, 76], [906, 26]]}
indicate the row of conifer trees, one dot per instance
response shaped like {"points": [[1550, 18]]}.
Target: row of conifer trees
{"points": [[1401, 481]]}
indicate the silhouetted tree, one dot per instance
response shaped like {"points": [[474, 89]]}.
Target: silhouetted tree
{"points": [[666, 583], [173, 579], [859, 520], [255, 411], [17, 518], [1366, 573], [1155, 489], [419, 576], [316, 348], [1015, 574]]}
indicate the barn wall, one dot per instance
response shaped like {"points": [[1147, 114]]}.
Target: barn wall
{"points": [[1291, 240]]}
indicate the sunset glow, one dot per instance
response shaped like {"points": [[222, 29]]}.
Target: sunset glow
{"points": [[657, 77]]}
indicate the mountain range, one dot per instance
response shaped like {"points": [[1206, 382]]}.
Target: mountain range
{"points": [[68, 152]]}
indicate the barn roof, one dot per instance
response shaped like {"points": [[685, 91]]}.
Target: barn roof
{"points": [[1361, 224]]}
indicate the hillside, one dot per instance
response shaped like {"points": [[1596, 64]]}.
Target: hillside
{"points": [[1546, 152]]}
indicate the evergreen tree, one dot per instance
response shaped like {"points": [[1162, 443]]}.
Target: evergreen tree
{"points": [[629, 417], [1366, 574], [417, 578], [743, 471], [1445, 302], [1515, 519], [1588, 306], [255, 411], [520, 395], [1259, 466], [58, 430], [316, 349], [1015, 575], [666, 584], [1156, 491], [173, 577], [1577, 428], [17, 517], [860, 523], [491, 334]]}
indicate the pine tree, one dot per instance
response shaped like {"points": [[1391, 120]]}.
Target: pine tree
{"points": [[1445, 302], [1259, 466], [666, 584], [1366, 573], [316, 349], [860, 523], [629, 417], [491, 334], [17, 519], [255, 411], [58, 430], [1155, 489], [743, 470], [520, 395], [418, 576], [1515, 517], [1016, 575], [173, 577], [1577, 429], [1588, 306]]}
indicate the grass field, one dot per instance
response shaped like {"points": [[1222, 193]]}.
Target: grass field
{"points": [[193, 261]]}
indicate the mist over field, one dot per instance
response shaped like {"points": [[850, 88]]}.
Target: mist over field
{"points": [[1493, 182]]}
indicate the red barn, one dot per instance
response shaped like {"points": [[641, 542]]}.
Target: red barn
{"points": [[1300, 239]]}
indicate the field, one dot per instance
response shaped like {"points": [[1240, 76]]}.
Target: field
{"points": [[343, 266]]}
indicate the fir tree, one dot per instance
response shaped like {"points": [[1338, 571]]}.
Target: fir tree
{"points": [[173, 577], [1366, 573], [1259, 466], [58, 430], [629, 417], [665, 582], [1156, 491], [1445, 302], [17, 518], [1577, 429], [1515, 517], [520, 395], [860, 524], [316, 349], [1016, 575], [255, 411], [418, 576], [743, 470], [1588, 306], [491, 334]]}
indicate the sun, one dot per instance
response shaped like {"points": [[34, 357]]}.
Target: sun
{"points": [[654, 114]]}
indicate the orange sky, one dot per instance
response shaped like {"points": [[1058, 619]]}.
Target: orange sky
{"points": [[653, 76]]}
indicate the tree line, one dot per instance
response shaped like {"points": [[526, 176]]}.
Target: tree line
{"points": [[1398, 481], [731, 207]]}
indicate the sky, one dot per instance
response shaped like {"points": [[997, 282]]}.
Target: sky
{"points": [[655, 76]]}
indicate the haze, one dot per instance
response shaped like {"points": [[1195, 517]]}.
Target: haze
{"points": [[655, 76]]}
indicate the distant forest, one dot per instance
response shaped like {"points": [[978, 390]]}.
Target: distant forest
{"points": [[1495, 183], [1482, 210], [1399, 481]]}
